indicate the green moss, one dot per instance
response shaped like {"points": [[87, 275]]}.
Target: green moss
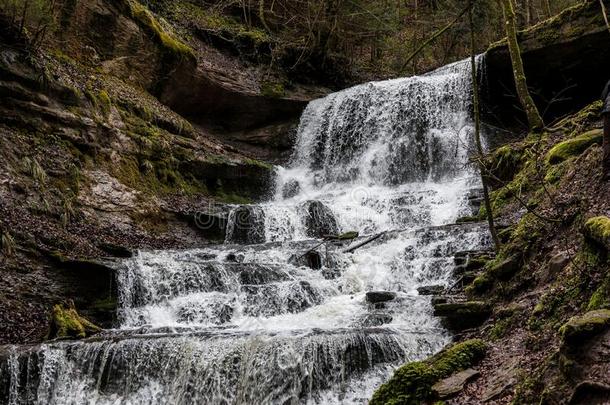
{"points": [[143, 16], [104, 102], [273, 90], [67, 323], [556, 172], [601, 297], [211, 20], [481, 284], [574, 147], [505, 162], [467, 219], [259, 163], [580, 328], [412, 383], [598, 230]]}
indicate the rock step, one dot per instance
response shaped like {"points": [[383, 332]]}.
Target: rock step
{"points": [[452, 385], [458, 316]]}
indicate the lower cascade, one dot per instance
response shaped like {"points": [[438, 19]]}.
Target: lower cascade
{"points": [[277, 314]]}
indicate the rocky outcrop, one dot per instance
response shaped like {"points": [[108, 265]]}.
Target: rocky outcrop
{"points": [[578, 329], [566, 62], [412, 383], [319, 220]]}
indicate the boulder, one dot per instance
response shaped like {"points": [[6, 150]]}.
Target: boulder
{"points": [[590, 392], [556, 264], [450, 386], [376, 297], [580, 328], [319, 220], [291, 189], [574, 146], [507, 268], [458, 316], [212, 222], [246, 225], [311, 259], [597, 229], [431, 290]]}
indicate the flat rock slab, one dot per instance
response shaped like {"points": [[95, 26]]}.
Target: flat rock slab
{"points": [[454, 384], [431, 290], [375, 297]]}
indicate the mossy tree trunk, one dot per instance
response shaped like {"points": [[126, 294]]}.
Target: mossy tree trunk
{"points": [[533, 115], [477, 130]]}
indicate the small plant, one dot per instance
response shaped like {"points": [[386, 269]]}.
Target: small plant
{"points": [[7, 244], [35, 170], [68, 211]]}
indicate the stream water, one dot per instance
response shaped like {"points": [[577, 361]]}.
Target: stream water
{"points": [[250, 321]]}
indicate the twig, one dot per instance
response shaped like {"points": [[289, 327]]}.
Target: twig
{"points": [[363, 243]]}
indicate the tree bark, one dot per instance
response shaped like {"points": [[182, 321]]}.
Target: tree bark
{"points": [[547, 5], [477, 131], [606, 148], [533, 116]]}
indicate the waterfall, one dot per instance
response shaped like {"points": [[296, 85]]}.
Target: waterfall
{"points": [[251, 320]]}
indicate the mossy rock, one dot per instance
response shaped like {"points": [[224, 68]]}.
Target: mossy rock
{"points": [[412, 383], [146, 19], [467, 219], [504, 163], [458, 316], [480, 284], [575, 146], [580, 328], [506, 268], [598, 230], [66, 323]]}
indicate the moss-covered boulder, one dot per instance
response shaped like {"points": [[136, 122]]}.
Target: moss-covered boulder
{"points": [[66, 323], [575, 146], [412, 383], [504, 269], [458, 316], [580, 328], [598, 230]]}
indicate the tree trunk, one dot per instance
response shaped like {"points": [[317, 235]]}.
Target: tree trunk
{"points": [[606, 148], [533, 116], [477, 132], [549, 12]]}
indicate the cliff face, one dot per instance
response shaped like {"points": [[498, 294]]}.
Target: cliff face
{"points": [[566, 60], [113, 132]]}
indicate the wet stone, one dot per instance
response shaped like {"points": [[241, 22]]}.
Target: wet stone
{"points": [[319, 220], [450, 386], [376, 297], [431, 290]]}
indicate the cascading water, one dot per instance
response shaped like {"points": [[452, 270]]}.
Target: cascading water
{"points": [[253, 323]]}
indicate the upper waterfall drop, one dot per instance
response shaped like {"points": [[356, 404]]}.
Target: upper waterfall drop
{"points": [[381, 155]]}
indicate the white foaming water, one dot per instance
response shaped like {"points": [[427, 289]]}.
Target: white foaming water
{"points": [[380, 156], [241, 324]]}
